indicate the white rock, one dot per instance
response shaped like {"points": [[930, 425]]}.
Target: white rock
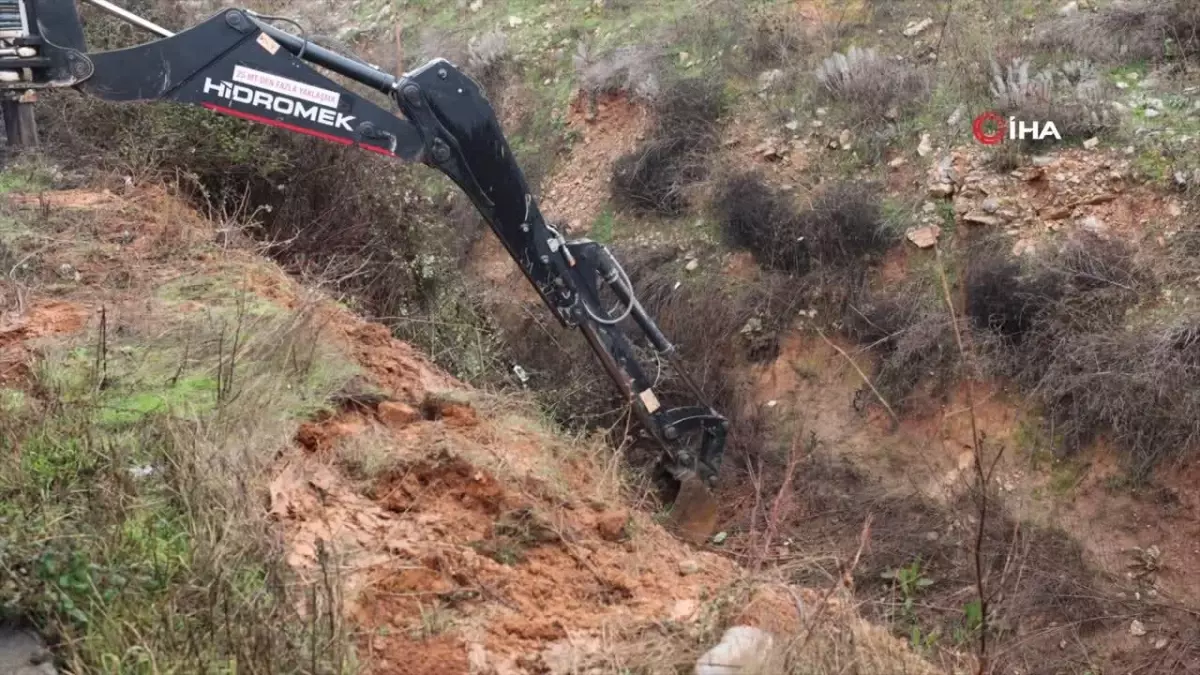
{"points": [[924, 147], [914, 28], [1042, 160], [1151, 113], [766, 79], [514, 21], [1137, 628], [924, 237], [821, 112], [742, 649], [1091, 143], [844, 139], [792, 126], [991, 205], [687, 567], [692, 265], [1122, 85], [1093, 224], [955, 117], [1068, 9], [898, 162]]}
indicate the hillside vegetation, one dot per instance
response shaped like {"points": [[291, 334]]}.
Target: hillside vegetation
{"points": [[275, 406]]}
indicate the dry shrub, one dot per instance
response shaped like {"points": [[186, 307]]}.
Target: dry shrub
{"points": [[1073, 95], [1128, 31], [909, 331], [1067, 338], [775, 40], [654, 177], [871, 84], [631, 69], [842, 227]]}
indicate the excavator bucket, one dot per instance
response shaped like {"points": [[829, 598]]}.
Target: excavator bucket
{"points": [[694, 515]]}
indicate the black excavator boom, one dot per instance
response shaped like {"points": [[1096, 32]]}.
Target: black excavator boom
{"points": [[236, 63]]}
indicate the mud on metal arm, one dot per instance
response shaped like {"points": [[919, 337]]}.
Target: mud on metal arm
{"points": [[236, 63]]}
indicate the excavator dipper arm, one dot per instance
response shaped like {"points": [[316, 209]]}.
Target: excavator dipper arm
{"points": [[236, 63]]}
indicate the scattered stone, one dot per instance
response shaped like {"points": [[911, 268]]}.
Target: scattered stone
{"points": [[1042, 160], [1056, 212], [915, 28], [1093, 224], [897, 162], [771, 150], [767, 79], [1029, 174], [68, 272], [1151, 113], [924, 147], [612, 526], [1102, 198], [991, 205], [1091, 143], [397, 415], [1122, 84], [742, 649], [687, 567], [1068, 9], [844, 139], [792, 126], [924, 237], [1181, 179], [1160, 643], [720, 537], [928, 207], [892, 114], [980, 218], [821, 112], [684, 610], [1174, 210], [955, 117], [22, 653], [753, 325], [692, 265], [1137, 628], [514, 21], [941, 190], [931, 536]]}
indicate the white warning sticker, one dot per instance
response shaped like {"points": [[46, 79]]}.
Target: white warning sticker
{"points": [[285, 86]]}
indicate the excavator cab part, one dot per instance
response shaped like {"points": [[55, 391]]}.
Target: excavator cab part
{"points": [[237, 63]]}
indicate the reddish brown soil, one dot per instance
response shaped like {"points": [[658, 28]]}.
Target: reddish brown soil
{"points": [[19, 333]]}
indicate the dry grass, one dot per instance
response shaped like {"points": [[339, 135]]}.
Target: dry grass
{"points": [[655, 177], [874, 87], [1129, 31], [842, 227]]}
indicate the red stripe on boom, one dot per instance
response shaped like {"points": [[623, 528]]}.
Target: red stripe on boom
{"points": [[292, 127]]}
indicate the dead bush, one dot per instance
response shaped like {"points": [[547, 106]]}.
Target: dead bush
{"points": [[907, 328], [842, 228], [757, 218], [630, 69], [775, 39], [1128, 31], [654, 177], [875, 87], [1004, 300], [1073, 95]]}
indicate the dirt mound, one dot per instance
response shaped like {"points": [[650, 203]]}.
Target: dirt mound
{"points": [[474, 538], [19, 330]]}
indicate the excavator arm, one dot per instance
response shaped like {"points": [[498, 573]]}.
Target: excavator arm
{"points": [[236, 63]]}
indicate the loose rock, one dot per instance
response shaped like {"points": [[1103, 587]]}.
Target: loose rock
{"points": [[612, 526], [924, 147], [981, 218], [1137, 628], [924, 237], [915, 28], [687, 567], [742, 649], [397, 415]]}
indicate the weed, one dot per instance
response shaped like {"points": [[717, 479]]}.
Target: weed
{"points": [[654, 178], [875, 87]]}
